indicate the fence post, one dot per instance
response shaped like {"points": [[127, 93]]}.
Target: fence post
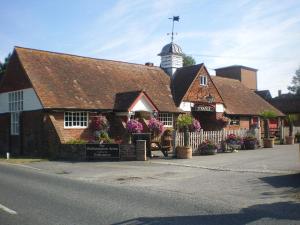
{"points": [[141, 150]]}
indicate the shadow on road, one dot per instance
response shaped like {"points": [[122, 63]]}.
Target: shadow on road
{"points": [[274, 211], [282, 181]]}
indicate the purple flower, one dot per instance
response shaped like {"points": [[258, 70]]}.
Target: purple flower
{"points": [[156, 126], [195, 126], [100, 123], [134, 126]]}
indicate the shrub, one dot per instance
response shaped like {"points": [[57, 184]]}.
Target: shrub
{"points": [[184, 121], [207, 148], [100, 123], [76, 142], [104, 138]]}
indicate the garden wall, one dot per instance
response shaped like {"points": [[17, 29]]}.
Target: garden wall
{"points": [[76, 152]]}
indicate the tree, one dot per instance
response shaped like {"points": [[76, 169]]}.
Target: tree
{"points": [[188, 60], [4, 65], [295, 87]]}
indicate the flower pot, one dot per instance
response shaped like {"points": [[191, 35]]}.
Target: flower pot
{"points": [[251, 145], [289, 140], [184, 152], [268, 142]]}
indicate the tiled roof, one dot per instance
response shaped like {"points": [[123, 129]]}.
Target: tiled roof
{"points": [[287, 103], [265, 94], [240, 100], [68, 81]]}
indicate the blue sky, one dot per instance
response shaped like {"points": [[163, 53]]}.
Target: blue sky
{"points": [[261, 34]]}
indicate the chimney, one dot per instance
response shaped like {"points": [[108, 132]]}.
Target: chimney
{"points": [[279, 93], [149, 64]]}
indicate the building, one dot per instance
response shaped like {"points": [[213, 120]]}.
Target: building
{"points": [[219, 101], [49, 98]]}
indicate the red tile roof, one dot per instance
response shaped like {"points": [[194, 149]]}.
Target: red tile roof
{"points": [[69, 81], [240, 100]]}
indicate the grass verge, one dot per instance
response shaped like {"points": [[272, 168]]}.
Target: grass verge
{"points": [[21, 160]]}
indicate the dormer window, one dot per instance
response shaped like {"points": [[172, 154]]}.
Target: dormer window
{"points": [[203, 80]]}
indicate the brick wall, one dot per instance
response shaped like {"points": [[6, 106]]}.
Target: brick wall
{"points": [[67, 134]]}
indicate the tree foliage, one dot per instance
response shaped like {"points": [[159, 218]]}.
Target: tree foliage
{"points": [[3, 65], [188, 60], [295, 87]]}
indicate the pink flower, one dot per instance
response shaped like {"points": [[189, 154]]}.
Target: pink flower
{"points": [[156, 126], [134, 126]]}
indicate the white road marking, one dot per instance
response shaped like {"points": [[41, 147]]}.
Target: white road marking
{"points": [[5, 209]]}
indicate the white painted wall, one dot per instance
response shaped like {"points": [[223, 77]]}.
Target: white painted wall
{"points": [[220, 108], [143, 105], [30, 101], [186, 106]]}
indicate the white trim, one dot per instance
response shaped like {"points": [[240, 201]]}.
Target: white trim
{"points": [[165, 119], [203, 80], [72, 121]]}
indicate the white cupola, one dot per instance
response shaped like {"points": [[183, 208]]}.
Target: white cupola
{"points": [[171, 58]]}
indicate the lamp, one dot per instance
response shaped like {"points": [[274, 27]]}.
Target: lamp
{"points": [[155, 113], [210, 98]]}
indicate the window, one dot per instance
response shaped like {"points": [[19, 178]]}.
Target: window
{"points": [[235, 121], [15, 106], [203, 80], [166, 119], [76, 119]]}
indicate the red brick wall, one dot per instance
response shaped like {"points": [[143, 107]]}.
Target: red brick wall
{"points": [[68, 134]]}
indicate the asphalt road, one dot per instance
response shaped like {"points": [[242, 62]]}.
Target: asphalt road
{"points": [[177, 195]]}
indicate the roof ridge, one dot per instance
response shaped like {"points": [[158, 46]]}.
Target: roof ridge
{"points": [[87, 57]]}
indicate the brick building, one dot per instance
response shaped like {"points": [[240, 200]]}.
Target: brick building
{"points": [[48, 98]]}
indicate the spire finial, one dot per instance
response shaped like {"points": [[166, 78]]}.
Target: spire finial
{"points": [[174, 18]]}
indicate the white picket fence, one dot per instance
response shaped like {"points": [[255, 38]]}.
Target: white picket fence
{"points": [[196, 138]]}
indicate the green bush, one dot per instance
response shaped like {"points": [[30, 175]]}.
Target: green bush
{"points": [[76, 142]]}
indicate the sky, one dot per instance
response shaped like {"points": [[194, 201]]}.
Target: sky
{"points": [[263, 34]]}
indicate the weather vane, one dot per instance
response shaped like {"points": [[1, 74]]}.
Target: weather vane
{"points": [[174, 18]]}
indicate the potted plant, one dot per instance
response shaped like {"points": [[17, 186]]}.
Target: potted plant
{"points": [[133, 126], [184, 121], [250, 142], [156, 127], [290, 119], [297, 136], [266, 116], [233, 143], [207, 148]]}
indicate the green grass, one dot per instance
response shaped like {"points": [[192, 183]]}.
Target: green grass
{"points": [[21, 160]]}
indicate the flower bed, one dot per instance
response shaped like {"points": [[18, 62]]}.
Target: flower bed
{"points": [[207, 148]]}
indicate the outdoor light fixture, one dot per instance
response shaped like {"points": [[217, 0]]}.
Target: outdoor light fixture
{"points": [[210, 98], [155, 113]]}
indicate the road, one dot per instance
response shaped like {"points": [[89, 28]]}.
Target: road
{"points": [[180, 195]]}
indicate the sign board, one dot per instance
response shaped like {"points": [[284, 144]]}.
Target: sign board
{"points": [[204, 108], [102, 151]]}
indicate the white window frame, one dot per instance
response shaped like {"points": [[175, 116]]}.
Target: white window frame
{"points": [[166, 118], [203, 80], [81, 119], [15, 106]]}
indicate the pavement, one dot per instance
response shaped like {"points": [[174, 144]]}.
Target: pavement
{"points": [[248, 187]]}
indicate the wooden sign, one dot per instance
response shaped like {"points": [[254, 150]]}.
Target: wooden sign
{"points": [[102, 151], [204, 108]]}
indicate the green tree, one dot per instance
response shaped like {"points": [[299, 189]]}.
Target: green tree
{"points": [[295, 87], [188, 60], [4, 65]]}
